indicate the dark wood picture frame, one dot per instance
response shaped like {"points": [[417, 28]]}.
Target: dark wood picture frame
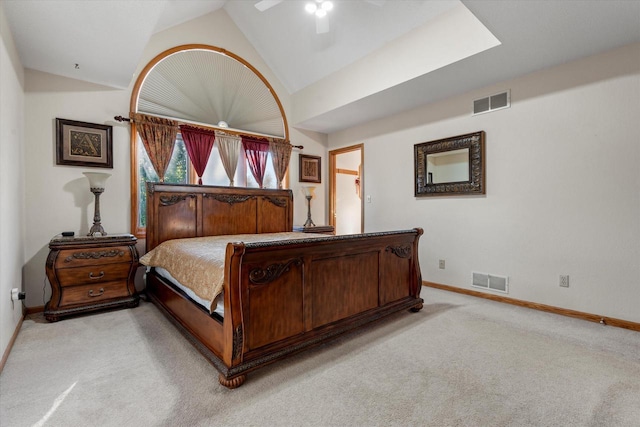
{"points": [[83, 144], [310, 168], [424, 184]]}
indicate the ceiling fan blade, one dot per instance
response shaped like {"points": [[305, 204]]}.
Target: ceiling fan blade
{"points": [[322, 24], [266, 4]]}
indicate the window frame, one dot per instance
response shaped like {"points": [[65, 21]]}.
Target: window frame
{"points": [[136, 229]]}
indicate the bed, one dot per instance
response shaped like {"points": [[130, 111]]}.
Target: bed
{"points": [[277, 297]]}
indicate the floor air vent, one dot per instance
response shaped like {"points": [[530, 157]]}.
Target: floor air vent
{"points": [[490, 281], [492, 103]]}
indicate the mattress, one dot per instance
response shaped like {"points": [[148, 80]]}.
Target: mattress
{"points": [[217, 304]]}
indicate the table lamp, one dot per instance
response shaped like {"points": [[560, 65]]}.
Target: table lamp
{"points": [[308, 193], [97, 182]]}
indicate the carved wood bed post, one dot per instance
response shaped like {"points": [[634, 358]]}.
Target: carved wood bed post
{"points": [[416, 286], [233, 322]]}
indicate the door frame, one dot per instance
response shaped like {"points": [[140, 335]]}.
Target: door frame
{"points": [[333, 179]]}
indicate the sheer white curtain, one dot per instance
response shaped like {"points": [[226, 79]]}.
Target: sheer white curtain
{"points": [[229, 148]]}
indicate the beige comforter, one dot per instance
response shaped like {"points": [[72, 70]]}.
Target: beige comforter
{"points": [[198, 262]]}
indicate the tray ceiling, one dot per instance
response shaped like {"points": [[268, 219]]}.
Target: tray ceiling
{"points": [[108, 37]]}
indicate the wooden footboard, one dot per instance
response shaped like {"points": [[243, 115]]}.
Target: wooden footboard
{"points": [[285, 297], [281, 297]]}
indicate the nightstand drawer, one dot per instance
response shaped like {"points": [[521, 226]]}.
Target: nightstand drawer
{"points": [[86, 294], [93, 274], [92, 256]]}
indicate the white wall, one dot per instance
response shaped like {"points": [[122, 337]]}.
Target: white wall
{"points": [[11, 182], [58, 197], [563, 188]]}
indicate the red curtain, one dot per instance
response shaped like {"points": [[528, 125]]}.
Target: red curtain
{"points": [[198, 143], [256, 150]]}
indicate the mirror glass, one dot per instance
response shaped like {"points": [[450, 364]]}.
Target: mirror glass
{"points": [[450, 166]]}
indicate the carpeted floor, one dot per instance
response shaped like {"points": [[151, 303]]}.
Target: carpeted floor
{"points": [[461, 361]]}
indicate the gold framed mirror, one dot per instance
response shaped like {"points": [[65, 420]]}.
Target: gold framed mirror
{"points": [[450, 166]]}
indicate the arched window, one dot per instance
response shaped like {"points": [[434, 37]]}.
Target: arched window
{"points": [[206, 86]]}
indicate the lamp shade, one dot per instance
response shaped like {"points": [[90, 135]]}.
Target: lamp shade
{"points": [[309, 190], [97, 179]]}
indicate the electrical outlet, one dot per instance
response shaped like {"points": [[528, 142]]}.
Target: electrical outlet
{"points": [[17, 295], [564, 281], [441, 264]]}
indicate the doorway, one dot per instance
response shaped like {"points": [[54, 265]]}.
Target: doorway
{"points": [[346, 208]]}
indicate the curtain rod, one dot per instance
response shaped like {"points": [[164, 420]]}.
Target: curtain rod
{"points": [[127, 119]]}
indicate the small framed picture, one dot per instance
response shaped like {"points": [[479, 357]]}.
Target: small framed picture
{"points": [[310, 170], [83, 144]]}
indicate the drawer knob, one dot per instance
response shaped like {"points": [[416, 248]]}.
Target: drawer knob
{"points": [[92, 277], [91, 294]]}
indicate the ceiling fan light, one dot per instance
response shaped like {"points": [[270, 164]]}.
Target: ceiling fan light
{"points": [[321, 13], [327, 5], [311, 7]]}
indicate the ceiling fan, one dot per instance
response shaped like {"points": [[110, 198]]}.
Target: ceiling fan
{"points": [[318, 7]]}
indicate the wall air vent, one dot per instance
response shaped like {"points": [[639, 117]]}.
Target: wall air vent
{"points": [[490, 281], [492, 103]]}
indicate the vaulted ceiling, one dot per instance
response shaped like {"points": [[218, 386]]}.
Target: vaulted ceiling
{"points": [[378, 57]]}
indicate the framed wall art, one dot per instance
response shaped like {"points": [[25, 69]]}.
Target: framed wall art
{"points": [[310, 170], [83, 144]]}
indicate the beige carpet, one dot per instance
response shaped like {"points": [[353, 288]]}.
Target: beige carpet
{"points": [[461, 361]]}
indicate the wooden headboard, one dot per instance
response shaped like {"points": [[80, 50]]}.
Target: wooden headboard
{"points": [[178, 211]]}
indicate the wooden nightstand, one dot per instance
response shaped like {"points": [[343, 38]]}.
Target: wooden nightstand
{"points": [[91, 273], [322, 229]]}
